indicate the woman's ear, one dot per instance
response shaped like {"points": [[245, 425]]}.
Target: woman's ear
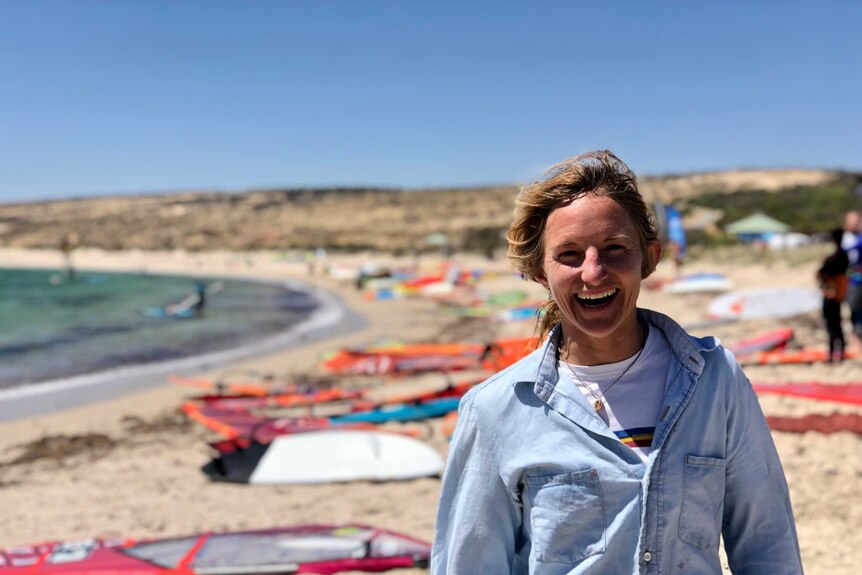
{"points": [[653, 257], [542, 279]]}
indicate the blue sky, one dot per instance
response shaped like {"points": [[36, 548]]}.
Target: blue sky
{"points": [[102, 97]]}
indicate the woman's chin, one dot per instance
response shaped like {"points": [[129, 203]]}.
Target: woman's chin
{"points": [[601, 323]]}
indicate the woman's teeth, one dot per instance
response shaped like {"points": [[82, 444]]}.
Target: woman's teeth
{"points": [[597, 295], [595, 299]]}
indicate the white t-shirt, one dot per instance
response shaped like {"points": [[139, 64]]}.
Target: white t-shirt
{"points": [[632, 404]]}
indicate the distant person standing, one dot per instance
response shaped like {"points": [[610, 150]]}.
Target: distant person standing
{"points": [[200, 302], [850, 237], [676, 241], [309, 262], [67, 246], [320, 260], [832, 277], [851, 242]]}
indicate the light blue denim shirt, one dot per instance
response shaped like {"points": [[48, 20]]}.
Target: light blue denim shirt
{"points": [[537, 483]]}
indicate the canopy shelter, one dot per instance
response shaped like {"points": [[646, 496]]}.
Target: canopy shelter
{"points": [[437, 239], [757, 226]]}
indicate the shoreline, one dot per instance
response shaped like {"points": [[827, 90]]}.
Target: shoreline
{"points": [[54, 397]]}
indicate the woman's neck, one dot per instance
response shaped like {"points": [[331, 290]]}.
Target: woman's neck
{"points": [[580, 350]]}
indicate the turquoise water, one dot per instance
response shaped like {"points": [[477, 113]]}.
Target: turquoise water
{"points": [[54, 327]]}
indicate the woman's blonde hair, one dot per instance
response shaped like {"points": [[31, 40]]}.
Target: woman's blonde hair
{"points": [[598, 173]]}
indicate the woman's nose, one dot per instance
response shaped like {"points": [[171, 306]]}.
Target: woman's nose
{"points": [[593, 270]]}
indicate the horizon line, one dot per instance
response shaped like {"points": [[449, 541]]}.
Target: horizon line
{"points": [[82, 196]]}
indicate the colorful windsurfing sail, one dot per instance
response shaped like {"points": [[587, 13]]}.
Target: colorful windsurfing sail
{"points": [[187, 308], [249, 384], [676, 232], [485, 305], [393, 362], [452, 390], [322, 549], [298, 399], [240, 423], [402, 412], [503, 353], [234, 418], [422, 357], [522, 312]]}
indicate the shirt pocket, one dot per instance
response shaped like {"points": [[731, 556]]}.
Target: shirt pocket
{"points": [[702, 501], [567, 516]]}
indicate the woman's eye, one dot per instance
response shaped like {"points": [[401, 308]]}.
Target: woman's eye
{"points": [[616, 248], [569, 258]]}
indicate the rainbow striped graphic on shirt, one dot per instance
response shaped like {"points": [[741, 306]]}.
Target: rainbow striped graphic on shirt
{"points": [[636, 436]]}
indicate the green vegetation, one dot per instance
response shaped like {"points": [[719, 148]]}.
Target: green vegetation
{"points": [[485, 240], [745, 254], [808, 209]]}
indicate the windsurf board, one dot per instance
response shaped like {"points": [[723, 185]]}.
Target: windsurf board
{"points": [[699, 283], [328, 456], [773, 339], [765, 303]]}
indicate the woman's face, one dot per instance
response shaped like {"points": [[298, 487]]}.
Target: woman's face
{"points": [[592, 266]]}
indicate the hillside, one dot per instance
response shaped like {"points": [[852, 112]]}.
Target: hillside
{"points": [[673, 188], [350, 219]]}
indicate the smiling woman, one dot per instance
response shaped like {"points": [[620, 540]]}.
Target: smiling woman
{"points": [[592, 267], [591, 176], [622, 444]]}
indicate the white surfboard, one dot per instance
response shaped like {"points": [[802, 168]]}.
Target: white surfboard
{"points": [[699, 283], [330, 456], [765, 303]]}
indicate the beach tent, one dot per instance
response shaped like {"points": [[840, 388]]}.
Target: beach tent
{"points": [[757, 226], [438, 239]]}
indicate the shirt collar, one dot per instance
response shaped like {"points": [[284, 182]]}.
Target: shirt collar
{"points": [[540, 366]]}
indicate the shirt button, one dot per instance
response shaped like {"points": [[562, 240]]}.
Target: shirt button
{"points": [[647, 556]]}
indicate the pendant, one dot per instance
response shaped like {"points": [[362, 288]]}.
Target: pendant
{"points": [[598, 405]]}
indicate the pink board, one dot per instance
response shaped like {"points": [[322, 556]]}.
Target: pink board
{"points": [[769, 340], [831, 423], [842, 393], [321, 549], [790, 356]]}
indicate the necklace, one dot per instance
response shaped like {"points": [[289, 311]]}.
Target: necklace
{"points": [[599, 402]]}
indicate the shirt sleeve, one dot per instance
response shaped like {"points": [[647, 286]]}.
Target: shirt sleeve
{"points": [[758, 527], [477, 520]]}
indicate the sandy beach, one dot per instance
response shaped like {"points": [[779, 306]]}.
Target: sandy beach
{"points": [[132, 463]]}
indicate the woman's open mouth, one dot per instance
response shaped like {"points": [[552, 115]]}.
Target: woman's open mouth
{"points": [[594, 300]]}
